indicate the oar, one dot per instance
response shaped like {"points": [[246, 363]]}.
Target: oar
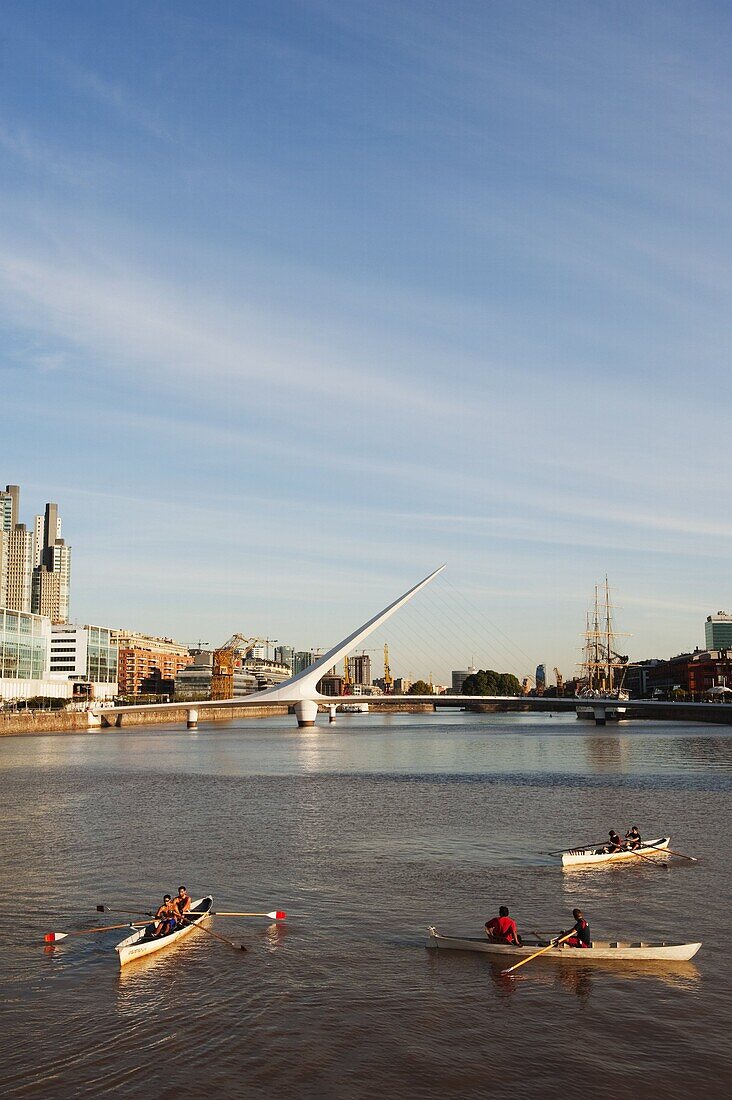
{"points": [[132, 912], [278, 914], [537, 953], [655, 862], [54, 937], [681, 855], [236, 946], [578, 847]]}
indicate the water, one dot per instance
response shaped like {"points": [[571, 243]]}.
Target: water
{"points": [[365, 833]]}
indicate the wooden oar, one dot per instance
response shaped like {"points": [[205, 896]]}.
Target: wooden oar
{"points": [[537, 953], [278, 914], [132, 912], [216, 936], [54, 937], [655, 862], [671, 852]]}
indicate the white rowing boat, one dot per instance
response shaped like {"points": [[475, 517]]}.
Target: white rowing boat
{"points": [[575, 857], [601, 950], [137, 946]]}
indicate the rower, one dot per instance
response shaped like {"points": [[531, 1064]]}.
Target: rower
{"points": [[581, 928], [633, 838], [502, 929], [614, 844], [182, 904], [166, 918]]}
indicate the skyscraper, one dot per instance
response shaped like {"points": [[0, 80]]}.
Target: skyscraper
{"points": [[52, 574], [35, 565], [361, 669], [11, 593]]}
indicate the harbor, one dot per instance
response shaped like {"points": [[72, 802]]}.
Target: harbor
{"points": [[367, 834]]}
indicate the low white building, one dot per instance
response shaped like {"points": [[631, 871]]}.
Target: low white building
{"points": [[85, 657]]}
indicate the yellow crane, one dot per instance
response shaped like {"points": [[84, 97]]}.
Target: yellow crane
{"points": [[347, 688], [388, 678], [224, 663], [560, 681]]}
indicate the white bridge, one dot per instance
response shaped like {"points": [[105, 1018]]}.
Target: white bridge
{"points": [[301, 691]]}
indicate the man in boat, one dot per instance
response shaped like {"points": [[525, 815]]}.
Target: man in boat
{"points": [[633, 838], [182, 904], [166, 919], [614, 844], [581, 929], [502, 929]]}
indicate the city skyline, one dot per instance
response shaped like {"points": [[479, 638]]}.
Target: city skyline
{"points": [[285, 327]]}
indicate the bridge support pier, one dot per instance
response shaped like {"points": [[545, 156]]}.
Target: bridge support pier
{"points": [[192, 719], [306, 711], [93, 721], [600, 716], [331, 714]]}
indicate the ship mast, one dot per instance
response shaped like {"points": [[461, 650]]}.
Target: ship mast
{"points": [[603, 667]]}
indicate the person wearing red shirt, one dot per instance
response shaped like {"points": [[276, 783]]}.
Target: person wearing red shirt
{"points": [[502, 929]]}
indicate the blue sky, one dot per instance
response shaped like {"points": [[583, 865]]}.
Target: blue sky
{"points": [[300, 299]]}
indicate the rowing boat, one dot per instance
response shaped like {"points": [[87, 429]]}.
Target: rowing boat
{"points": [[601, 950], [137, 946], [575, 857]]}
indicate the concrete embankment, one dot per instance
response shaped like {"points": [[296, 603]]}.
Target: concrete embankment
{"points": [[78, 721]]}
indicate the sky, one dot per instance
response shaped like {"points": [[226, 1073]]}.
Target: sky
{"points": [[301, 298]]}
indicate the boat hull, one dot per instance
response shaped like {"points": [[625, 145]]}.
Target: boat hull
{"points": [[137, 947], [601, 951], [586, 857]]}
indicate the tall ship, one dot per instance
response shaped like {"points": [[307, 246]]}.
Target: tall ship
{"points": [[602, 669]]}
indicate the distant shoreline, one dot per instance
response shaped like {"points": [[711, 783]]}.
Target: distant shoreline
{"points": [[45, 722]]}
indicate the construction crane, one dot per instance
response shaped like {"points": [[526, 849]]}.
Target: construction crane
{"points": [[560, 681], [347, 687], [224, 662], [388, 678]]}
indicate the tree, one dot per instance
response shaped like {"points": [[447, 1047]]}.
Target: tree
{"points": [[488, 682], [419, 687]]}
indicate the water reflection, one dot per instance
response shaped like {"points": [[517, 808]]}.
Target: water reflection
{"points": [[275, 936]]}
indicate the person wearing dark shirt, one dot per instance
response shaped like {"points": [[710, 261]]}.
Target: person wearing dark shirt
{"points": [[502, 929], [581, 929], [614, 844], [633, 838]]}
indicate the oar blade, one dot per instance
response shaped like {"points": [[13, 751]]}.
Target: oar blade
{"points": [[278, 914], [54, 937]]}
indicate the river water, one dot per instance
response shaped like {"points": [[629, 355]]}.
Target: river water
{"points": [[366, 833]]}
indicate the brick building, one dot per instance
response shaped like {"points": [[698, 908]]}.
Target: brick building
{"points": [[149, 665]]}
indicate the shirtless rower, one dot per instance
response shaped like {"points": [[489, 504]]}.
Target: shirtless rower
{"points": [[182, 904], [165, 919]]}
